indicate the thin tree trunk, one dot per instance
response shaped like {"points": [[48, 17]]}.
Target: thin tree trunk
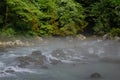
{"points": [[6, 15]]}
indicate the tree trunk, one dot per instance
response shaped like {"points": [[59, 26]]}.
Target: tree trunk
{"points": [[6, 14]]}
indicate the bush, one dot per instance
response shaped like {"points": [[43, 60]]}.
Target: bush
{"points": [[45, 30], [9, 32], [105, 16], [115, 32], [71, 17]]}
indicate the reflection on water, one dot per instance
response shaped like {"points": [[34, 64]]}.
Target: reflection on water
{"points": [[79, 59]]}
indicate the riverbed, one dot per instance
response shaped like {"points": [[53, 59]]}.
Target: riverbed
{"points": [[81, 59]]}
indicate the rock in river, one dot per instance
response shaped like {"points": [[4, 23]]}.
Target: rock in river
{"points": [[58, 53], [36, 53], [95, 75], [55, 62], [34, 59], [9, 70]]}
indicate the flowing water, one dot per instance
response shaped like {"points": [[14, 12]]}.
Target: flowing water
{"points": [[81, 59]]}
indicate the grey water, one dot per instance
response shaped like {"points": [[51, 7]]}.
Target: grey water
{"points": [[82, 58]]}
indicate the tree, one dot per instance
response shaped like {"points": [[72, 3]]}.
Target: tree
{"points": [[88, 18], [105, 16], [43, 17], [3, 13], [70, 17]]}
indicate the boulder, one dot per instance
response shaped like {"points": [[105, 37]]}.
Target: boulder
{"points": [[58, 53], [24, 60], [117, 38], [38, 58], [1, 72], [55, 62], [34, 59], [36, 53], [9, 70], [9, 44], [95, 75], [39, 38], [106, 37], [109, 37], [81, 37], [18, 43]]}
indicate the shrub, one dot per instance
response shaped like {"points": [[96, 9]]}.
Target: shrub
{"points": [[45, 30], [105, 16], [115, 32], [9, 32]]}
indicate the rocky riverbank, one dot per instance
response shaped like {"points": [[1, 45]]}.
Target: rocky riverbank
{"points": [[15, 43], [109, 37], [19, 42]]}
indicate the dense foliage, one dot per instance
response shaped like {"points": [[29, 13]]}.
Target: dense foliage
{"points": [[59, 17], [107, 16]]}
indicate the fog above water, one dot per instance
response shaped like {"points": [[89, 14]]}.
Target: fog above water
{"points": [[80, 60]]}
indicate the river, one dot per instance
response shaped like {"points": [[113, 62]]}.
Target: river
{"points": [[81, 59]]}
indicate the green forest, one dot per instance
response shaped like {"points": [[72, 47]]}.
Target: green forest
{"points": [[59, 17]]}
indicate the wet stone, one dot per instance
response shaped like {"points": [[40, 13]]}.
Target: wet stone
{"points": [[36, 53], [23, 64], [24, 58], [55, 62], [95, 75], [59, 53], [2, 72], [35, 58], [9, 71]]}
